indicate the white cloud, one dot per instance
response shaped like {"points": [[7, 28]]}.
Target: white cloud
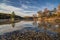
{"points": [[28, 6], [21, 11], [10, 8], [5, 1], [18, 11], [49, 6], [24, 6], [28, 2]]}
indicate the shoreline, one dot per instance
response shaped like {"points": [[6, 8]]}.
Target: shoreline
{"points": [[6, 21]]}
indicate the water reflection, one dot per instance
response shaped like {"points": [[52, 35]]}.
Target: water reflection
{"points": [[53, 26], [13, 24], [35, 23], [33, 30]]}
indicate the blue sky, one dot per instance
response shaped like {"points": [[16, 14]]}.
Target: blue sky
{"points": [[27, 7]]}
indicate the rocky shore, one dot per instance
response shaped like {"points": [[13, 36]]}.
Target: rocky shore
{"points": [[30, 34]]}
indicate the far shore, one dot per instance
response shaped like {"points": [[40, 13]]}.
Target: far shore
{"points": [[6, 21]]}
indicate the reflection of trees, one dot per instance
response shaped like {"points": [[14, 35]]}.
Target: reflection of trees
{"points": [[35, 23], [13, 24]]}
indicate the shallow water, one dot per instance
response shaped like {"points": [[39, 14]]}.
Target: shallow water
{"points": [[15, 26], [26, 27]]}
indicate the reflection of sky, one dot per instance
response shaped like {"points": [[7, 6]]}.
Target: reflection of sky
{"points": [[18, 26], [27, 25], [26, 7]]}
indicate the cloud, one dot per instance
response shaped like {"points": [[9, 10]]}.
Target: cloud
{"points": [[10, 8], [29, 7], [18, 11], [24, 10], [28, 2], [24, 6], [49, 6], [5, 1]]}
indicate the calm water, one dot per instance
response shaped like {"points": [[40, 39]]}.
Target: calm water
{"points": [[46, 27], [15, 26], [22, 24]]}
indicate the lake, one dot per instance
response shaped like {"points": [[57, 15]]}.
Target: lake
{"points": [[25, 28]]}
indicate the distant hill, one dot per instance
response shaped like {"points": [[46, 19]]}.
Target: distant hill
{"points": [[8, 16], [28, 18]]}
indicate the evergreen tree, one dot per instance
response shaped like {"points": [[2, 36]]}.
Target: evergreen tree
{"points": [[12, 16]]}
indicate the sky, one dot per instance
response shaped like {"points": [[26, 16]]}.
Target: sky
{"points": [[27, 7]]}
